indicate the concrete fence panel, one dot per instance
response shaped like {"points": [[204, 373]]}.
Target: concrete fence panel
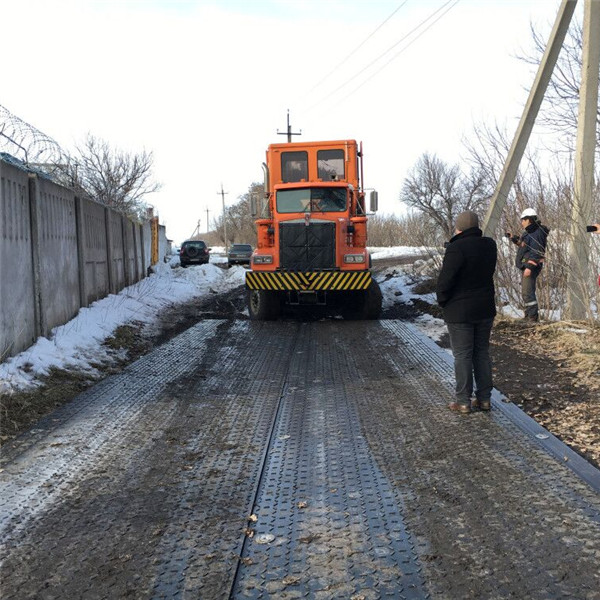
{"points": [[59, 252], [129, 251], [93, 247], [116, 259], [17, 301], [139, 251], [56, 237], [147, 245]]}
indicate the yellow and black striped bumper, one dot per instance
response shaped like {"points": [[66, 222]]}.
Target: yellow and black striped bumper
{"points": [[312, 281]]}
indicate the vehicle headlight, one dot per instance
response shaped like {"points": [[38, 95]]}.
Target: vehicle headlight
{"points": [[263, 259], [354, 258]]}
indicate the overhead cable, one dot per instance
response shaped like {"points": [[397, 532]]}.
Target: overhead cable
{"points": [[402, 39], [403, 49], [357, 48]]}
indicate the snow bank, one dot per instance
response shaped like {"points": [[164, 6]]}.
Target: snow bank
{"points": [[79, 342]]}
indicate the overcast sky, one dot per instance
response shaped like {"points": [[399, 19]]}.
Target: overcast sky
{"points": [[205, 85]]}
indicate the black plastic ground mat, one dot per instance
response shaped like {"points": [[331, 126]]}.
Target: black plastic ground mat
{"points": [[291, 460], [142, 486], [329, 524]]}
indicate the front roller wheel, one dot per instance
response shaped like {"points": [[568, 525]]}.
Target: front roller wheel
{"points": [[263, 305], [373, 301], [363, 304]]}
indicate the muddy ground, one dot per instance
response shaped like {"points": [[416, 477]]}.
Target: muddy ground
{"points": [[550, 370]]}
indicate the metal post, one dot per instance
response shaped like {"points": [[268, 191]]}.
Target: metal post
{"points": [[509, 172], [577, 277]]}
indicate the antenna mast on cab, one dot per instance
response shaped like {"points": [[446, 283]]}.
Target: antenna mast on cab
{"points": [[289, 132]]}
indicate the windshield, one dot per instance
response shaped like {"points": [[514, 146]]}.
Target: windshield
{"points": [[241, 247], [311, 200]]}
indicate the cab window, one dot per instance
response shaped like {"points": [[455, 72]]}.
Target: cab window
{"points": [[294, 166], [330, 165]]}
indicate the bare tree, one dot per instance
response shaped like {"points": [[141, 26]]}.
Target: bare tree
{"points": [[561, 101], [560, 109], [115, 178], [412, 229], [547, 186], [441, 191]]}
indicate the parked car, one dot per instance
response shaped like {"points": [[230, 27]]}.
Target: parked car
{"points": [[193, 252], [239, 254]]}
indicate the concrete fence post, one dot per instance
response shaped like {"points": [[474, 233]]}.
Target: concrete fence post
{"points": [[124, 238], [143, 250], [81, 248], [136, 259], [36, 229], [112, 276]]}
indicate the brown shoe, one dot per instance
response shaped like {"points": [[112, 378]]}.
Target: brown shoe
{"points": [[485, 405], [463, 409]]}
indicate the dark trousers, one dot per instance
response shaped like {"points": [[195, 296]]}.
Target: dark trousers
{"points": [[471, 349], [530, 303]]}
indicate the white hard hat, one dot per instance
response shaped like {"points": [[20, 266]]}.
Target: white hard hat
{"points": [[528, 212]]}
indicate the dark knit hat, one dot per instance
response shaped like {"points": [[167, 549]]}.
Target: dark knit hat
{"points": [[466, 220]]}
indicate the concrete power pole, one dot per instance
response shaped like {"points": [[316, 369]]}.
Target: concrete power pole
{"points": [[579, 255], [224, 217], [542, 78]]}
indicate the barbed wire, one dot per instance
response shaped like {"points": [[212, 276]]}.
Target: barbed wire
{"points": [[29, 145]]}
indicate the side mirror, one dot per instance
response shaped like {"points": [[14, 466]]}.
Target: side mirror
{"points": [[373, 201], [253, 205]]}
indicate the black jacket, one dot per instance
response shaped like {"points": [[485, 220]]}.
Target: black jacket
{"points": [[532, 246], [465, 286]]}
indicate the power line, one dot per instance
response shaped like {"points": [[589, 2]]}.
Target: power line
{"points": [[401, 51], [402, 39], [358, 47]]}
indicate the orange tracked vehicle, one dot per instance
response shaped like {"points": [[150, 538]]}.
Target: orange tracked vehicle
{"points": [[312, 232]]}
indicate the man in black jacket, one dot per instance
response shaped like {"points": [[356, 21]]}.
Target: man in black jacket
{"points": [[465, 291]]}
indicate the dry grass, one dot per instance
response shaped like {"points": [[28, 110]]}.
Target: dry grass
{"points": [[20, 410], [576, 345], [552, 371]]}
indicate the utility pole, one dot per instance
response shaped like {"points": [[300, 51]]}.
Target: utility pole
{"points": [[224, 218], [536, 95], [197, 230], [579, 251], [289, 131], [207, 223]]}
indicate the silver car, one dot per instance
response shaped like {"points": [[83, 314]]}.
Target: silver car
{"points": [[239, 254]]}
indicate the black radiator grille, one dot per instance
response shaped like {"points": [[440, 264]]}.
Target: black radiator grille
{"points": [[305, 247]]}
